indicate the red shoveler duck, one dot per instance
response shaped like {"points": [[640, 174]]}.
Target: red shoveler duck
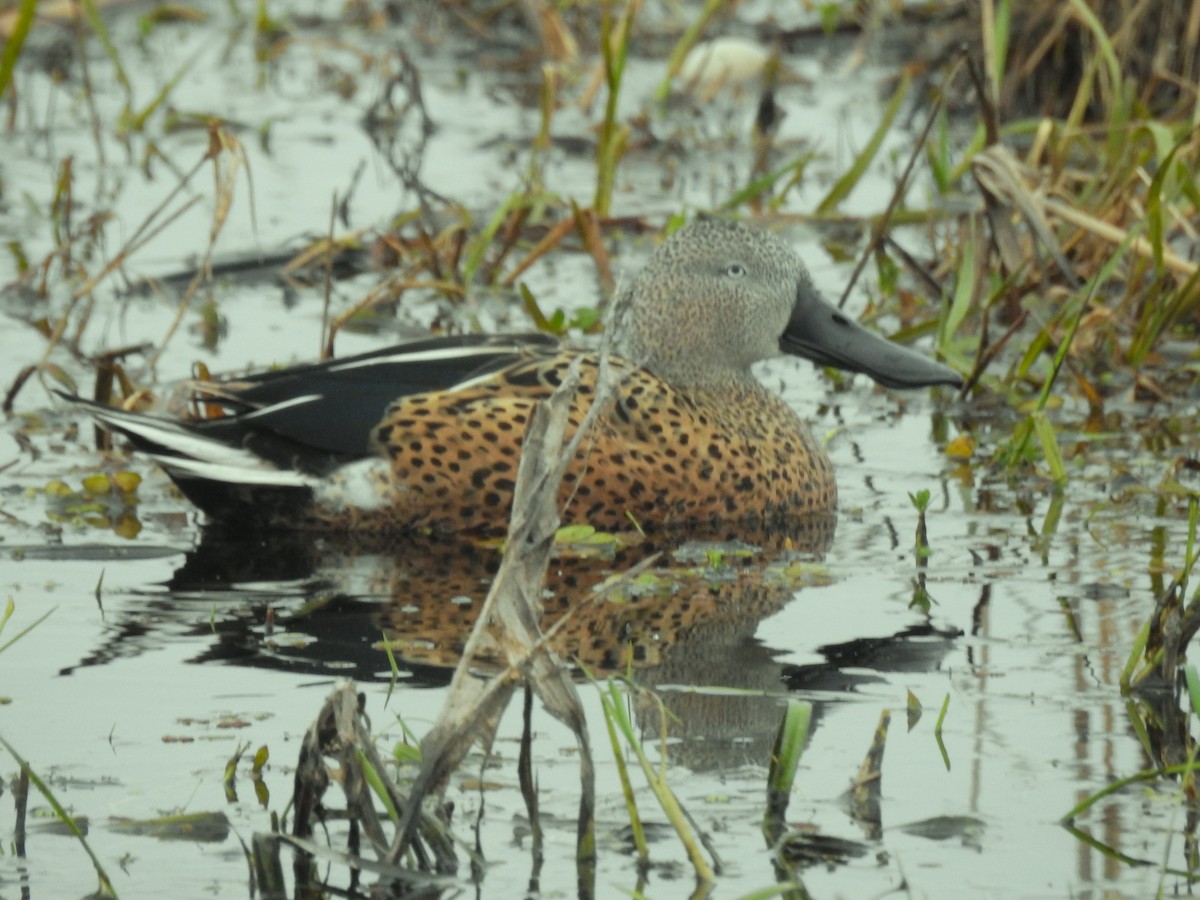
{"points": [[427, 435]]}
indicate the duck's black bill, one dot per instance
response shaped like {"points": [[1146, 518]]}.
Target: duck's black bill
{"points": [[819, 331]]}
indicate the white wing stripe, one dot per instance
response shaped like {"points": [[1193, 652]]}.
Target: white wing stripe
{"points": [[214, 471], [282, 404], [424, 356], [168, 434]]}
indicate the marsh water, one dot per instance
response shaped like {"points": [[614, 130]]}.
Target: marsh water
{"points": [[167, 651]]}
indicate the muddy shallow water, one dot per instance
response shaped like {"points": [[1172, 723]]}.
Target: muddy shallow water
{"points": [[154, 667]]}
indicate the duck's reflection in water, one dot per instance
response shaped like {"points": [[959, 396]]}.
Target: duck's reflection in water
{"points": [[686, 624]]}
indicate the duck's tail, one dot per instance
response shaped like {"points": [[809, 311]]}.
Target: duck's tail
{"points": [[208, 460]]}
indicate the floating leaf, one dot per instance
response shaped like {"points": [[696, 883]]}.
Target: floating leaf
{"points": [[961, 447], [97, 484], [207, 827], [127, 527], [126, 482], [914, 709], [571, 534]]}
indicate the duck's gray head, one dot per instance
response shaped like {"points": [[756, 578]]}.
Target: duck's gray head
{"points": [[719, 296]]}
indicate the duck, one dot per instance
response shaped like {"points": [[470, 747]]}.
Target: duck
{"points": [[426, 436]]}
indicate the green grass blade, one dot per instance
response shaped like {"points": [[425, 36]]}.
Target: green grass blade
{"points": [[1093, 288], [613, 137], [136, 122], [1146, 775], [1050, 449], [106, 888], [1193, 685], [964, 290], [94, 20], [480, 243], [789, 745], [785, 758], [844, 185], [756, 187], [1135, 655], [392, 666], [666, 798], [1154, 206], [12, 48], [24, 631], [609, 702], [688, 40], [376, 784], [937, 732], [1002, 26], [1108, 53]]}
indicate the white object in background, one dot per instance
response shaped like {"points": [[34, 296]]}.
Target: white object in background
{"points": [[726, 62]]}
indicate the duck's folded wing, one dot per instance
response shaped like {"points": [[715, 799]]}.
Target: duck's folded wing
{"points": [[332, 407], [313, 418]]}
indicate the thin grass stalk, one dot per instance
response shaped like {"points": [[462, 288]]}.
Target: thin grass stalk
{"points": [[143, 234], [954, 312], [1126, 859], [547, 98], [938, 156], [89, 94], [1190, 552], [553, 238], [611, 145], [267, 867], [20, 791], [937, 732], [1064, 345], [221, 142], [636, 827], [92, 14], [667, 800], [1147, 775], [483, 240], [1073, 124], [393, 667], [1154, 204], [785, 758], [12, 47], [1132, 674], [106, 888], [789, 745], [881, 223], [387, 290], [1133, 713], [995, 27], [844, 185], [1052, 518], [136, 122], [1193, 687], [937, 728], [327, 283], [760, 184], [371, 776], [8, 611], [1044, 429], [1107, 52], [529, 785], [1159, 317], [685, 43]]}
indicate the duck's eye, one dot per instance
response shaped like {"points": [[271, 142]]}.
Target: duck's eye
{"points": [[735, 270]]}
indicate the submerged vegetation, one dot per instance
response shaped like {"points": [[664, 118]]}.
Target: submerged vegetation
{"points": [[1040, 233]]}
